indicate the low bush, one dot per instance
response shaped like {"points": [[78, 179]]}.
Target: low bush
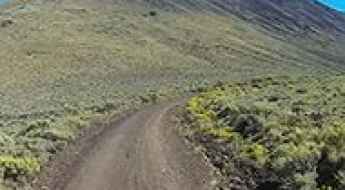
{"points": [[277, 136], [15, 166]]}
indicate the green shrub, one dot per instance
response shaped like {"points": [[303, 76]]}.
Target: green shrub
{"points": [[15, 166], [153, 13], [292, 131]]}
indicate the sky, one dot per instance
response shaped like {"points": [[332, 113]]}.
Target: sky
{"points": [[337, 4], [2, 1]]}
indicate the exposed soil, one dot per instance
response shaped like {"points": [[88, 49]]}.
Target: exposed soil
{"points": [[141, 152]]}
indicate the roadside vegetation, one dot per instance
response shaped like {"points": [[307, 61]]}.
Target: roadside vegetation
{"points": [[273, 132]]}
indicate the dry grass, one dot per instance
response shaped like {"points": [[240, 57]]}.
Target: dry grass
{"points": [[76, 58]]}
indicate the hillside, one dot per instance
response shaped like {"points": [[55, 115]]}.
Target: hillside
{"points": [[65, 61], [290, 16], [289, 21], [272, 133]]}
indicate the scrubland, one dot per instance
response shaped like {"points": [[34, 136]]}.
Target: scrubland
{"points": [[64, 64], [272, 132]]}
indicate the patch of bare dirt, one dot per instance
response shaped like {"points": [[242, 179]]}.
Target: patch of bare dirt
{"points": [[140, 152]]}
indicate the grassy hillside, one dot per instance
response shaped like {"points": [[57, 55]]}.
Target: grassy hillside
{"points": [[90, 52], [62, 62], [273, 133]]}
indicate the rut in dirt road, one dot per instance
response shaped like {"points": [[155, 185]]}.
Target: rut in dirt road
{"points": [[142, 153]]}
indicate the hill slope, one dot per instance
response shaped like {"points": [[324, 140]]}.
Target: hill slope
{"points": [[272, 133], [96, 39], [62, 60], [306, 21], [290, 16]]}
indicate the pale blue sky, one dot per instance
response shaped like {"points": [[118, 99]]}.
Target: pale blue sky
{"points": [[337, 4], [2, 1]]}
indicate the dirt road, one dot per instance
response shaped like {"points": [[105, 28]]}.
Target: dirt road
{"points": [[141, 153]]}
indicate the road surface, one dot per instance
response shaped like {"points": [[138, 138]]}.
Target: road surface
{"points": [[143, 152]]}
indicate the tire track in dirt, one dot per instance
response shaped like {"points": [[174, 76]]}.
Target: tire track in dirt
{"points": [[143, 152]]}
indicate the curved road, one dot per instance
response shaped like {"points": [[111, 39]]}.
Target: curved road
{"points": [[141, 153]]}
